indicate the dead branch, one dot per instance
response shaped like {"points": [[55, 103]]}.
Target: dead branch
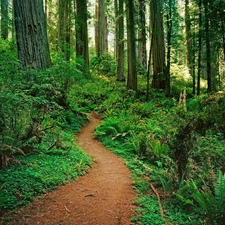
{"points": [[67, 209], [160, 205]]}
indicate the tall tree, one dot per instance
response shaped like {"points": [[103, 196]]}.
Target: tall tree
{"points": [[131, 57], [199, 46], [4, 19], [96, 28], [120, 41], [102, 28], [82, 30], [158, 45], [31, 34], [142, 52], [169, 43], [208, 48], [64, 10], [188, 37]]}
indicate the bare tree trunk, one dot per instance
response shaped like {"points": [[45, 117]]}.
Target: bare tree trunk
{"points": [[188, 36], [67, 20], [169, 37], [4, 19], [158, 45], [131, 57], [142, 53], [61, 25], [96, 28], [64, 9], [120, 46], [193, 62], [31, 34], [116, 11], [199, 46], [82, 31], [102, 28], [208, 48]]}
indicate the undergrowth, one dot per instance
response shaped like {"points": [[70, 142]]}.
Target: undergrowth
{"points": [[37, 127], [170, 146], [178, 149]]}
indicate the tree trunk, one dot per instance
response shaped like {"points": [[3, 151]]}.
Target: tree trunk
{"points": [[120, 46], [61, 25], [193, 62], [4, 19], [169, 37], [158, 45], [131, 57], [67, 21], [142, 53], [96, 28], [199, 46], [64, 9], [222, 18], [188, 36], [31, 34], [102, 28], [116, 11], [82, 31], [208, 48]]}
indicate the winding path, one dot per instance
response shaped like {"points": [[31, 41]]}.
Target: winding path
{"points": [[101, 197]]}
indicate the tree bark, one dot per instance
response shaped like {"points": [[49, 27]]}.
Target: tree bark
{"points": [[102, 28], [4, 19], [169, 37], [208, 48], [96, 28], [199, 46], [158, 45], [82, 31], [131, 57], [31, 34], [142, 53], [188, 36], [120, 46], [64, 12]]}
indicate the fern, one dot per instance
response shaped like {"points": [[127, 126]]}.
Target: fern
{"points": [[219, 191], [212, 204]]}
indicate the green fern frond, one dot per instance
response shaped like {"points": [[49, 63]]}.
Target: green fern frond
{"points": [[219, 191]]}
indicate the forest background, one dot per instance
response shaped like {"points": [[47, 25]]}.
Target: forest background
{"points": [[154, 71]]}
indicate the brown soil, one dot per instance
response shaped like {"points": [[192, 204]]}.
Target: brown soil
{"points": [[101, 197]]}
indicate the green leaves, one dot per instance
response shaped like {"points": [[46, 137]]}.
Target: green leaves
{"points": [[37, 173]]}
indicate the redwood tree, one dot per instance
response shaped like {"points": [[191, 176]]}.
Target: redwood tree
{"points": [[102, 28], [4, 19], [31, 34], [64, 13], [120, 41], [158, 45], [131, 48], [82, 30], [142, 52]]}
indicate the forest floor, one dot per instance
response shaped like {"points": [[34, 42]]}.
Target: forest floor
{"points": [[104, 196]]}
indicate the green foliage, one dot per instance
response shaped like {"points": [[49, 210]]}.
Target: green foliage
{"points": [[104, 65], [149, 209], [89, 95], [208, 203], [37, 125], [37, 174]]}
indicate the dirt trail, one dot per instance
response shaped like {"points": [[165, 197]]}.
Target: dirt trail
{"points": [[101, 197]]}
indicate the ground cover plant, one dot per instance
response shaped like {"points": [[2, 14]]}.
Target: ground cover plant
{"points": [[37, 127], [179, 149]]}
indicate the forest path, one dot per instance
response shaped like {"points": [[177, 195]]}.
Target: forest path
{"points": [[101, 197]]}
